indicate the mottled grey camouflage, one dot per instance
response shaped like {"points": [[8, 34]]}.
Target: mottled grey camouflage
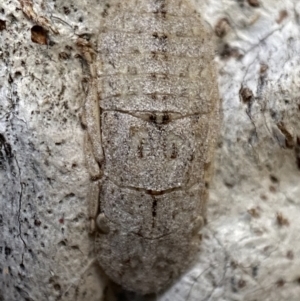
{"points": [[159, 119]]}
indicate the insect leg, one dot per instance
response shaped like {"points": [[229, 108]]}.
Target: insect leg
{"points": [[91, 106], [93, 143], [93, 202], [96, 219]]}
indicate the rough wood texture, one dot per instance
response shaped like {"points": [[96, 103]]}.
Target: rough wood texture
{"points": [[250, 248]]}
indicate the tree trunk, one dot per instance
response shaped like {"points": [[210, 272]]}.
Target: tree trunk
{"points": [[251, 242]]}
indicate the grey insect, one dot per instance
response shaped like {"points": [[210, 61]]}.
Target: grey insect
{"points": [[152, 118]]}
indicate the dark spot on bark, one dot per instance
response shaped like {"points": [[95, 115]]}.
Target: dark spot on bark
{"points": [[104, 14], [253, 3], [280, 282], [241, 283], [57, 287], [174, 151], [62, 243], [6, 146], [2, 25], [37, 222], [63, 55], [17, 74], [233, 264], [140, 150], [246, 94], [274, 179], [7, 251], [39, 35], [229, 51], [154, 96], [66, 10], [112, 64], [222, 27], [10, 79], [289, 140], [254, 271], [282, 15], [281, 220], [161, 8], [191, 158], [263, 68], [290, 255], [254, 212], [164, 37], [154, 55], [152, 118]]}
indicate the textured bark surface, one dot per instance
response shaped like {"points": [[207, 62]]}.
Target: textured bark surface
{"points": [[251, 244]]}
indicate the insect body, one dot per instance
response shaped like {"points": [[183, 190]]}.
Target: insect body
{"points": [[152, 115], [152, 118]]}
